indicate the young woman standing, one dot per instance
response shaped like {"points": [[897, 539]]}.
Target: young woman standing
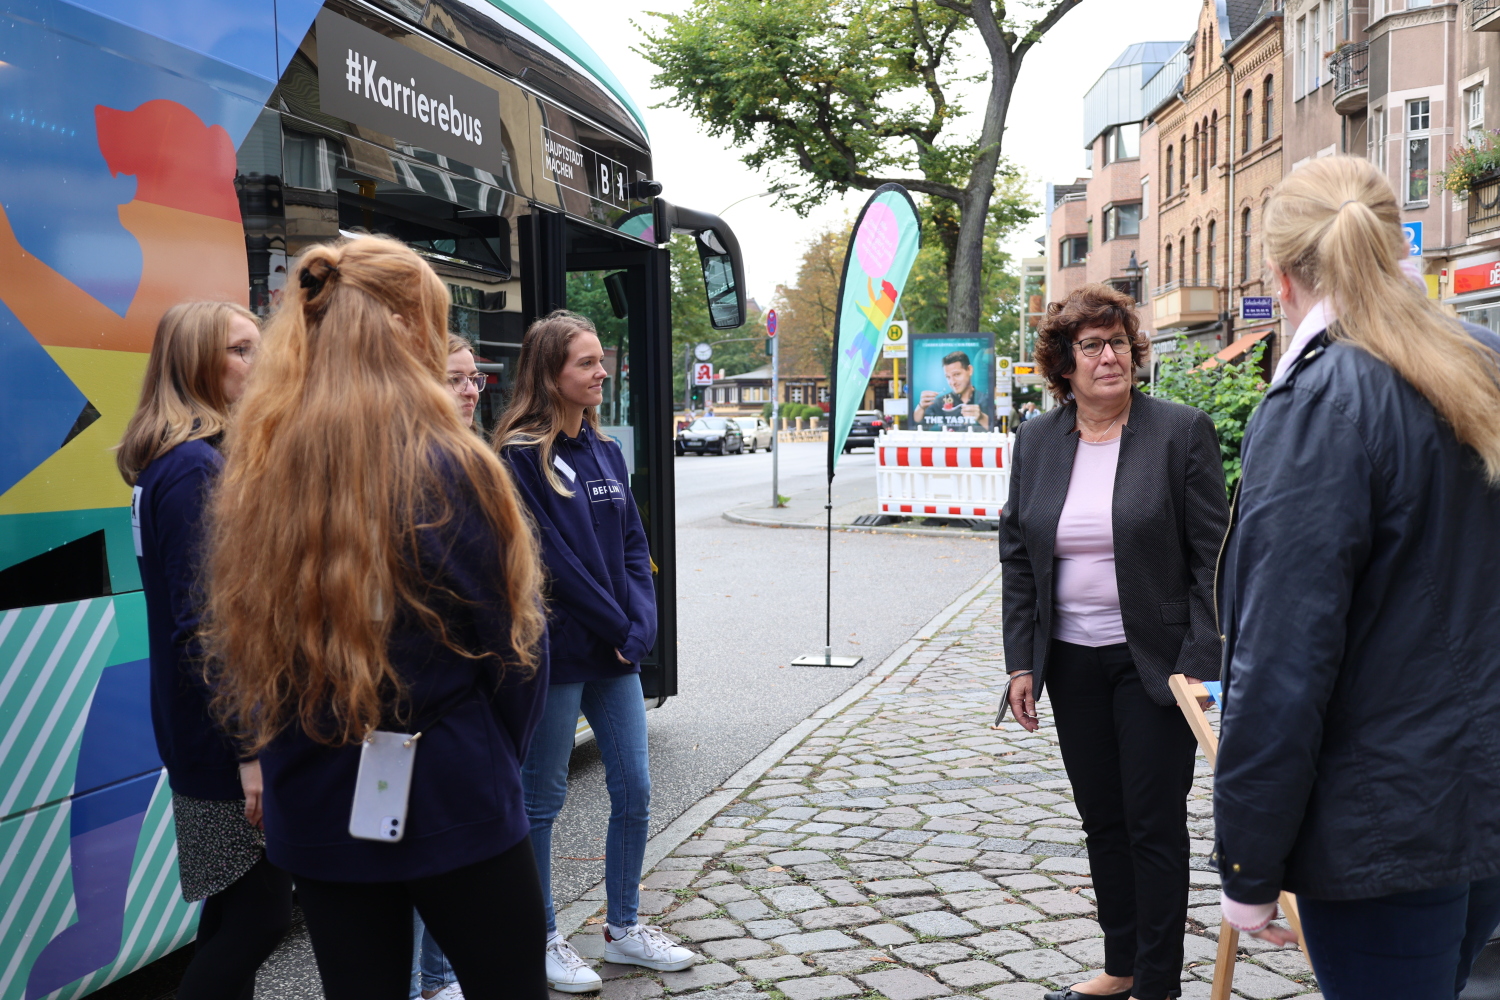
{"points": [[601, 622], [372, 574], [199, 363]]}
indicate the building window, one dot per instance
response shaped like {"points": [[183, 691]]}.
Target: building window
{"points": [[1418, 151], [797, 394], [1268, 112], [1213, 252], [1377, 137], [1203, 157], [822, 393], [1182, 258], [1213, 140], [1330, 24], [1169, 261], [1245, 246], [1474, 112], [1122, 220], [1249, 123], [1197, 254], [1074, 250], [1314, 60], [1182, 162], [1197, 145], [1299, 68], [1166, 190], [1123, 142], [754, 394]]}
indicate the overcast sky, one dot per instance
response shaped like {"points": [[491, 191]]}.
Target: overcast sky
{"points": [[1044, 134]]}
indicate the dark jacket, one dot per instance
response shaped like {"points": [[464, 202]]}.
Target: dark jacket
{"points": [[1170, 511], [167, 510], [466, 803], [601, 596], [1361, 734]]}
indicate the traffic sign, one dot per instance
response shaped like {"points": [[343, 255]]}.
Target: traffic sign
{"points": [[1257, 307], [771, 323], [895, 340], [703, 373], [1413, 233], [703, 352]]}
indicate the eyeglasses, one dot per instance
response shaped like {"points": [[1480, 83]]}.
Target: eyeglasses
{"points": [[246, 352], [1092, 347], [456, 381]]}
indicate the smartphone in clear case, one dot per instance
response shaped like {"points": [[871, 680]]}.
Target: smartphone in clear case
{"points": [[382, 787]]}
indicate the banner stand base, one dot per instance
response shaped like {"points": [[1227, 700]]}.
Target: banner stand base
{"points": [[825, 659]]}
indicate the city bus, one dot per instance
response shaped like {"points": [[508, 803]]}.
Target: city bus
{"points": [[160, 151]]}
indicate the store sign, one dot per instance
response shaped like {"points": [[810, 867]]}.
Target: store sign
{"points": [[1257, 307], [389, 88], [1476, 278]]}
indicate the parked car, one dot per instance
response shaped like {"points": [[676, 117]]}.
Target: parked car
{"points": [[866, 428], [719, 435], [756, 432]]}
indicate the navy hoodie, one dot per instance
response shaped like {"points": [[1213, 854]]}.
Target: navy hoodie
{"points": [[167, 514], [476, 723], [600, 595]]}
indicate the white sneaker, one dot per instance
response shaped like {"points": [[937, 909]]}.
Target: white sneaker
{"points": [[648, 947], [567, 972], [450, 992]]}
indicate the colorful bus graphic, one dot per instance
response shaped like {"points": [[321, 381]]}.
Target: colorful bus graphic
{"points": [[160, 151]]}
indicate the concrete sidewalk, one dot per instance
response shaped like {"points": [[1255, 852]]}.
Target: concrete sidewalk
{"points": [[805, 509], [895, 846]]}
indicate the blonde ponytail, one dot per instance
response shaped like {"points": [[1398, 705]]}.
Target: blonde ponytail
{"points": [[1334, 226]]}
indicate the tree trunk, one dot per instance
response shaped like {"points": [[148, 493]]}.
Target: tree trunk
{"points": [[965, 284]]}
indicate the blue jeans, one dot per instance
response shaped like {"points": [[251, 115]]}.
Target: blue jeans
{"points": [[1410, 945], [616, 710], [430, 970]]}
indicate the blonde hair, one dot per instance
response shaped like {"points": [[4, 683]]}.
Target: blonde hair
{"points": [[1335, 227], [182, 395], [535, 415], [335, 463], [457, 343]]}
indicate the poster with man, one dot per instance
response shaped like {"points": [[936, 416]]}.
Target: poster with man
{"points": [[953, 381]]}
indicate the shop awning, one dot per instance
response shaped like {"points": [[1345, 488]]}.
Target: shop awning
{"points": [[1237, 348]]}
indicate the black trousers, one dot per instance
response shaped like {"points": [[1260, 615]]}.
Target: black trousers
{"points": [[1131, 764], [487, 917], [237, 931]]}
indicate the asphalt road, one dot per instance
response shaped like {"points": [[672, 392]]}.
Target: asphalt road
{"points": [[749, 600]]}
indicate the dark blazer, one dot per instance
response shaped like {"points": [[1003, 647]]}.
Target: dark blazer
{"points": [[168, 506], [1360, 751], [1170, 515]]}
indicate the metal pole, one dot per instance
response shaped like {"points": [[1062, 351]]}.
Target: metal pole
{"points": [[775, 420], [828, 581], [687, 392]]}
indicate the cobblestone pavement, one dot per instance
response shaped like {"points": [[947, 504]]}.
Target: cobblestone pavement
{"points": [[906, 850]]}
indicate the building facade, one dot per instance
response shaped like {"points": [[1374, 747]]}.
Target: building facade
{"points": [[1407, 83], [1218, 144]]}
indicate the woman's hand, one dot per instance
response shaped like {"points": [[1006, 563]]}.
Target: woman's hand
{"points": [[621, 657], [1203, 702], [250, 782], [1279, 936], [1023, 702]]}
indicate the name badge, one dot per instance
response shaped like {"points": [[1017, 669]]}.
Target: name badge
{"points": [[565, 468]]}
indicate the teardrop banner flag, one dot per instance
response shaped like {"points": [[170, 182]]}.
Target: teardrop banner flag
{"points": [[881, 252]]}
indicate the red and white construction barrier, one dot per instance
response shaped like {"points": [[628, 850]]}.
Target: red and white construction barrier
{"points": [[942, 474]]}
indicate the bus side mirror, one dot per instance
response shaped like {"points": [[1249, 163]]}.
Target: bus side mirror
{"points": [[719, 255]]}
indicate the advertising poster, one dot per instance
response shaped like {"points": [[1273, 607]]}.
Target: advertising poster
{"points": [[953, 381]]}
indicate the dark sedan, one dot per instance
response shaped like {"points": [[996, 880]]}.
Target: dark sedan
{"points": [[710, 435], [866, 428]]}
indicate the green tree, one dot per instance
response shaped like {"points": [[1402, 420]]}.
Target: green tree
{"points": [[837, 95], [1228, 393]]}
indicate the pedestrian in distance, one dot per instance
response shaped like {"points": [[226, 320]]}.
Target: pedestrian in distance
{"points": [[375, 620], [1116, 512], [1359, 765], [601, 623], [432, 976], [197, 371]]}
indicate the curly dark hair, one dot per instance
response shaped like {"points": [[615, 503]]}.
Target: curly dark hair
{"points": [[1094, 306]]}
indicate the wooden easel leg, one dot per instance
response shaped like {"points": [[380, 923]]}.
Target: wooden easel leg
{"points": [[1229, 949], [1294, 917]]}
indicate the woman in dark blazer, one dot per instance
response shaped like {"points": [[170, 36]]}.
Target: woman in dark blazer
{"points": [[1116, 512]]}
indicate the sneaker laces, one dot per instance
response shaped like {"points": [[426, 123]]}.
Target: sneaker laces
{"points": [[654, 938], [566, 954]]}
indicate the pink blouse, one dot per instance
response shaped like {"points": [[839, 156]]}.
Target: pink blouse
{"points": [[1087, 596]]}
